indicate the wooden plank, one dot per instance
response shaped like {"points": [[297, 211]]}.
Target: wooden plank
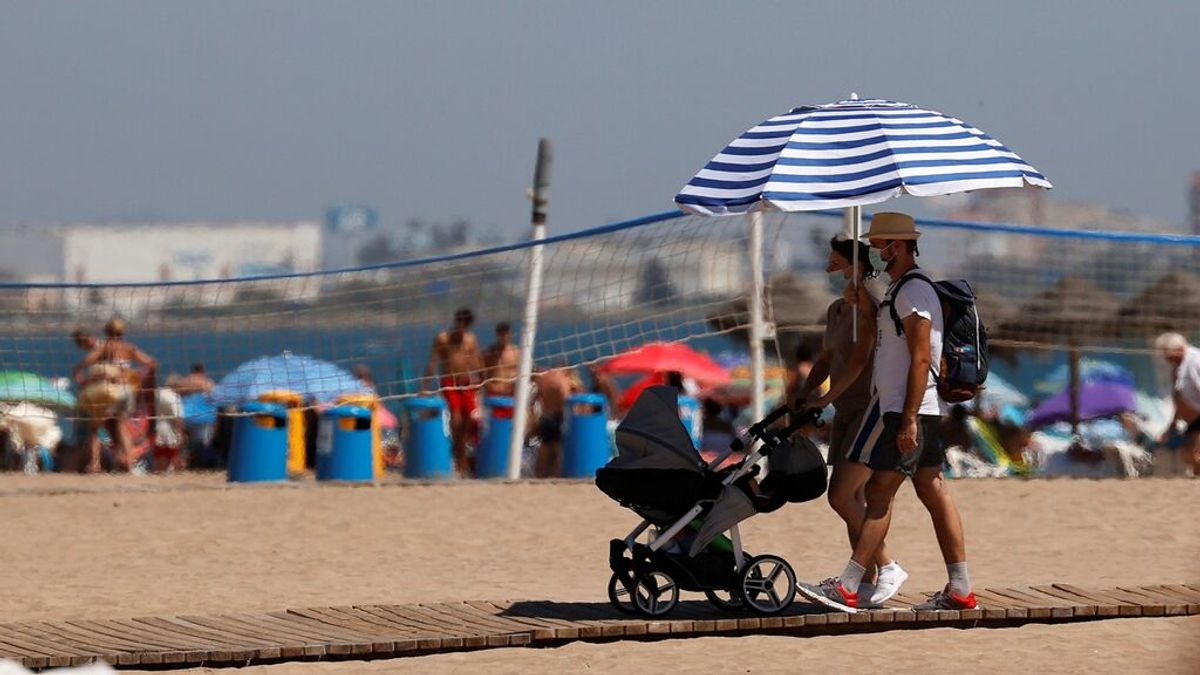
{"points": [[258, 646], [436, 637], [562, 628], [257, 634], [289, 639], [539, 629], [350, 642], [190, 649], [27, 643], [998, 603], [498, 629], [218, 649], [1148, 606], [1170, 605], [417, 630], [382, 639], [1105, 607], [405, 637], [1124, 607], [1040, 605], [113, 651], [1190, 598], [151, 649], [516, 632], [1081, 607], [472, 636]]}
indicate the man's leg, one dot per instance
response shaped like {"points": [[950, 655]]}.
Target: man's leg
{"points": [[947, 524], [1190, 453], [458, 441]]}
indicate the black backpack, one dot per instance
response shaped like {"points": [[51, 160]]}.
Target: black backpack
{"points": [[964, 366]]}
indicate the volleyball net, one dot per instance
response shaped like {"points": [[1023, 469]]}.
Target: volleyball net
{"points": [[668, 277]]}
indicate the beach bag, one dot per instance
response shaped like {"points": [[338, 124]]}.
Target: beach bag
{"points": [[964, 365]]}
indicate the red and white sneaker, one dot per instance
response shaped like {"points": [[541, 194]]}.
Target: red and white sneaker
{"points": [[947, 599], [831, 593]]}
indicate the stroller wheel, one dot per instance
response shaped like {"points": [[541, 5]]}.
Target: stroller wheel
{"points": [[767, 584], [726, 599], [655, 593], [619, 595]]}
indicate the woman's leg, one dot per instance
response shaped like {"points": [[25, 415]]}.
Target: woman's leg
{"points": [[848, 500]]}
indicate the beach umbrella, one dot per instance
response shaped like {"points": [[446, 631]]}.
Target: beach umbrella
{"points": [[1091, 371], [303, 375], [1095, 400], [1170, 304], [666, 357], [850, 154], [999, 393], [18, 386]]}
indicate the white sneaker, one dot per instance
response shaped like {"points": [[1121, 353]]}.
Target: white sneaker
{"points": [[888, 584]]}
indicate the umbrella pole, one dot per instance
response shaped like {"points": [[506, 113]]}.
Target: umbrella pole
{"points": [[758, 326], [1073, 385], [533, 296], [852, 224]]}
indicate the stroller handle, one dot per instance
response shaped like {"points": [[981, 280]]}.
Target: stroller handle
{"points": [[760, 426], [810, 416]]}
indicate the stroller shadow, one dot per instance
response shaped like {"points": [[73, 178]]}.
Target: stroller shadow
{"points": [[686, 610]]}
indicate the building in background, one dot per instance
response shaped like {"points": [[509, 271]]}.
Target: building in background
{"points": [[348, 229]]}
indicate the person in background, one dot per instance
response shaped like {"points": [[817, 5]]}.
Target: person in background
{"points": [[362, 373], [554, 386], [111, 375], [801, 377], [456, 355], [1184, 361], [501, 361], [603, 384], [196, 381], [849, 363]]}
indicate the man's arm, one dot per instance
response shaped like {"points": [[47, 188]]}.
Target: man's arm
{"points": [[916, 335], [864, 351], [142, 358]]}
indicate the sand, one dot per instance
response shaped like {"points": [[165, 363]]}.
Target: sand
{"points": [[118, 546]]}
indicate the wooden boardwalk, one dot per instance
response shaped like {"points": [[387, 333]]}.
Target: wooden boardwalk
{"points": [[386, 631]]}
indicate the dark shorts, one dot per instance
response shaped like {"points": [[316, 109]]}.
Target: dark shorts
{"points": [[549, 427], [875, 444]]}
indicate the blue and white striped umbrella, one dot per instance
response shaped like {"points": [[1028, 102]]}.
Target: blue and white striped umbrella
{"points": [[852, 153]]}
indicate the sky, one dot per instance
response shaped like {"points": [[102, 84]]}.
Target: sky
{"points": [[223, 110]]}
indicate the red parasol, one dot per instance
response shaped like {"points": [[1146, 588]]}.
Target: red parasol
{"points": [[665, 357]]}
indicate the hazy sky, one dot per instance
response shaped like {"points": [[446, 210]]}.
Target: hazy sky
{"points": [[274, 110]]}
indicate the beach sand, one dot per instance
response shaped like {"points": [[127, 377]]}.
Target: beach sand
{"points": [[120, 546]]}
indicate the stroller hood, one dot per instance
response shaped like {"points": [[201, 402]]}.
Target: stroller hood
{"points": [[652, 437]]}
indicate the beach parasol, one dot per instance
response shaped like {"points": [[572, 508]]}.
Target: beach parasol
{"points": [[1094, 400], [666, 357], [16, 386], [1170, 304], [303, 375], [847, 155]]}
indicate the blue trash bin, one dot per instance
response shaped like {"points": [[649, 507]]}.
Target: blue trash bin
{"points": [[259, 448], [427, 453], [693, 420], [344, 445], [491, 459], [586, 448]]}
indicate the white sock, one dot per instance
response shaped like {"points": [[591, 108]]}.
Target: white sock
{"points": [[852, 576], [960, 581]]}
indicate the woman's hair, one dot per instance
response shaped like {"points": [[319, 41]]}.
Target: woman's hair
{"points": [[845, 248]]}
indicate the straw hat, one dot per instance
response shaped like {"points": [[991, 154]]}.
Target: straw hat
{"points": [[891, 225]]}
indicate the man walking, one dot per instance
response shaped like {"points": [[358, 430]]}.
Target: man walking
{"points": [[456, 355], [899, 437]]}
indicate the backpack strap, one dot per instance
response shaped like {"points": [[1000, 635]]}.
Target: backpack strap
{"points": [[890, 301]]}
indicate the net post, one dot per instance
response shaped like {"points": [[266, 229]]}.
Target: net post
{"points": [[758, 327], [533, 294]]}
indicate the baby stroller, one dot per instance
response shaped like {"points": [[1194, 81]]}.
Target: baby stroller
{"points": [[659, 475]]}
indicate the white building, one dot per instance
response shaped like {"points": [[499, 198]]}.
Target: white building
{"points": [[153, 252]]}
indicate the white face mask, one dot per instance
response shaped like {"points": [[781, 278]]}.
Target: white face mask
{"points": [[883, 252]]}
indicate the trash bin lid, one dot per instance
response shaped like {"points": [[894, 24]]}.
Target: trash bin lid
{"points": [[350, 411], [260, 408], [425, 403], [499, 402], [587, 399]]}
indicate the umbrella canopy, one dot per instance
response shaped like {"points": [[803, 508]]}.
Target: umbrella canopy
{"points": [[1170, 304], [852, 153], [1073, 308], [1096, 399], [665, 357], [19, 386], [999, 393], [303, 375], [1091, 371]]}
